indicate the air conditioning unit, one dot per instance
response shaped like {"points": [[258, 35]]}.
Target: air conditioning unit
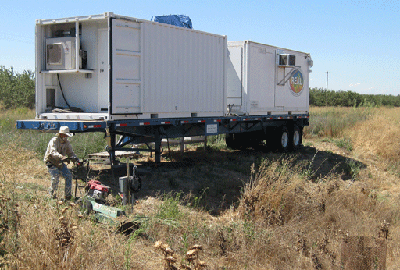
{"points": [[61, 53], [286, 60]]}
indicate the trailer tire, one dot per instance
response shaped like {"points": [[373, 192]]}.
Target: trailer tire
{"points": [[296, 138], [284, 139]]}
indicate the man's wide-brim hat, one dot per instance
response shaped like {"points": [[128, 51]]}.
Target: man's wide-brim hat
{"points": [[65, 130]]}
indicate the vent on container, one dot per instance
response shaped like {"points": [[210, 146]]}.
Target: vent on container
{"points": [[287, 60], [54, 54], [60, 53]]}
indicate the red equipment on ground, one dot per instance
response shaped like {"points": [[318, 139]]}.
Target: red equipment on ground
{"points": [[97, 190]]}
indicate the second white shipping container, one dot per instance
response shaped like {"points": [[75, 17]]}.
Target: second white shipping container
{"points": [[264, 79]]}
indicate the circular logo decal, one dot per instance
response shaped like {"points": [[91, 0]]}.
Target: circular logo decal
{"points": [[296, 83]]}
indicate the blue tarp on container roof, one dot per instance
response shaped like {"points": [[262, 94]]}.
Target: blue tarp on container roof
{"points": [[177, 20]]}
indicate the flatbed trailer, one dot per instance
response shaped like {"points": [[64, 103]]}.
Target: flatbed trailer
{"points": [[282, 131]]}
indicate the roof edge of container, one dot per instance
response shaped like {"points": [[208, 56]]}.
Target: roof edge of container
{"points": [[116, 16], [75, 18], [166, 25], [238, 43]]}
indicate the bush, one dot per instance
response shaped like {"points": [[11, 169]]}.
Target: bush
{"points": [[17, 90]]}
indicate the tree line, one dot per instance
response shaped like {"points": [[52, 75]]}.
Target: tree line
{"points": [[324, 97], [18, 90]]}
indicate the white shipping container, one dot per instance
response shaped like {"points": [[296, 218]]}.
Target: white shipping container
{"points": [[263, 79], [127, 68]]}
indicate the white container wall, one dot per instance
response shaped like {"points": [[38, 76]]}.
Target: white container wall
{"points": [[258, 84], [184, 71], [127, 69]]}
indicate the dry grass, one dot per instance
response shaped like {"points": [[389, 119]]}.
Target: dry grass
{"points": [[308, 221], [21, 165], [332, 122], [42, 234], [379, 136], [49, 239], [286, 216]]}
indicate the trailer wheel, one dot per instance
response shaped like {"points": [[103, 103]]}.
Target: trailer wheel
{"points": [[283, 139], [296, 138]]}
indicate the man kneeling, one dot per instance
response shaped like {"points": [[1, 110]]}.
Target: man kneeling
{"points": [[59, 150]]}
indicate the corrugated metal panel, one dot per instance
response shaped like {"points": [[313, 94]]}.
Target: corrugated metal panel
{"points": [[183, 71], [261, 77], [126, 69]]}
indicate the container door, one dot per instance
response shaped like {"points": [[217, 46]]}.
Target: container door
{"points": [[103, 71], [126, 67], [260, 78]]}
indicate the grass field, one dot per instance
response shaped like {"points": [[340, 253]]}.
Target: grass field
{"points": [[248, 209]]}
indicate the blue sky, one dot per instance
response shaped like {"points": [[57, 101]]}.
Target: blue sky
{"points": [[356, 42]]}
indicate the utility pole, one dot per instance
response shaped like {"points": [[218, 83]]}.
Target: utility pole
{"points": [[327, 77]]}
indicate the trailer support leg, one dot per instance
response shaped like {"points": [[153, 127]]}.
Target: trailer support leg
{"points": [[157, 146], [113, 137], [182, 144]]}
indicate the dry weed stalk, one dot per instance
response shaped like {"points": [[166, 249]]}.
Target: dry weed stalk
{"points": [[384, 230], [192, 257], [64, 234], [169, 257]]}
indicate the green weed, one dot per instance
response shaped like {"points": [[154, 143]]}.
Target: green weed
{"points": [[169, 209], [216, 142], [353, 168], [344, 143]]}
